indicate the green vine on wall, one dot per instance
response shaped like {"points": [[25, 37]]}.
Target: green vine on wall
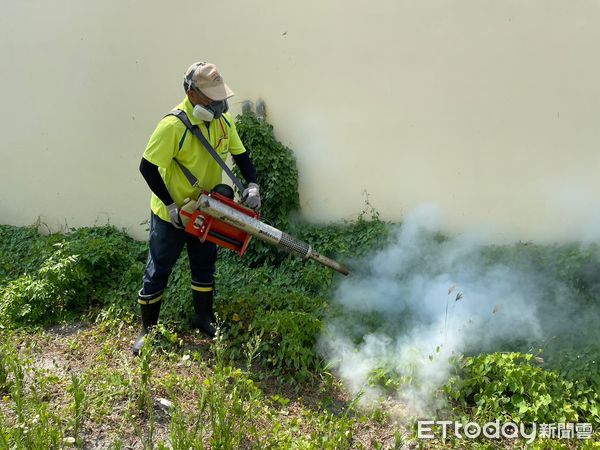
{"points": [[278, 180]]}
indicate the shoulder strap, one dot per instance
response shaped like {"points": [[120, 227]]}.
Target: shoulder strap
{"points": [[181, 115]]}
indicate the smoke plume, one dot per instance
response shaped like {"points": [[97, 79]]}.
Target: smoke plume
{"points": [[424, 298]]}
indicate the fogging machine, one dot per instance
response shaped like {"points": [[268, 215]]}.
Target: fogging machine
{"points": [[217, 218]]}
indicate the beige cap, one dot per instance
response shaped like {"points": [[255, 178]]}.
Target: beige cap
{"points": [[206, 78]]}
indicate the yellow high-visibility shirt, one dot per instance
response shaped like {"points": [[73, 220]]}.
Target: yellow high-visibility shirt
{"points": [[164, 145]]}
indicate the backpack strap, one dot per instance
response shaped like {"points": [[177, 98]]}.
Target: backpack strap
{"points": [[181, 115]]}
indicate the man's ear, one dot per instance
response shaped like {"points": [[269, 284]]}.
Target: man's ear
{"points": [[192, 97]]}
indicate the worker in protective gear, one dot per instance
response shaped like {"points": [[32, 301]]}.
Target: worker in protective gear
{"points": [[170, 147]]}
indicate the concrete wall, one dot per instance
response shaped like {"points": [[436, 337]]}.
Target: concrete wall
{"points": [[489, 109]]}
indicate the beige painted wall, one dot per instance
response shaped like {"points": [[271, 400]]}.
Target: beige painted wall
{"points": [[488, 109]]}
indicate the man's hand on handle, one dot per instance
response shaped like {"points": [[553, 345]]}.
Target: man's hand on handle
{"points": [[174, 216], [251, 196]]}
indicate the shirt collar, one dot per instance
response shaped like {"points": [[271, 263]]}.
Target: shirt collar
{"points": [[186, 106]]}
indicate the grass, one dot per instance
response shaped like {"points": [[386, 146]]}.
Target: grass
{"points": [[67, 379], [76, 385]]}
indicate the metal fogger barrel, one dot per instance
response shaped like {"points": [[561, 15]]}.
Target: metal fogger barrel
{"points": [[260, 230]]}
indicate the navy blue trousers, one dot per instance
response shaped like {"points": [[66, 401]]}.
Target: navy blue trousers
{"points": [[165, 245]]}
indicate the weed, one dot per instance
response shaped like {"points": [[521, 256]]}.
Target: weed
{"points": [[32, 424], [231, 401], [145, 400], [508, 386], [77, 391]]}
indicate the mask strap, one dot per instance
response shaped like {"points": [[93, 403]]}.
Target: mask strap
{"points": [[190, 78]]}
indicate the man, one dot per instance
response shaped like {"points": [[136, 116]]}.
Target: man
{"points": [[172, 146]]}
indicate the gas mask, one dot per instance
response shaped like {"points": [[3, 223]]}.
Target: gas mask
{"points": [[212, 111]]}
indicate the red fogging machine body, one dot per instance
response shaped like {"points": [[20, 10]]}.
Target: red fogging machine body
{"points": [[208, 228], [217, 218]]}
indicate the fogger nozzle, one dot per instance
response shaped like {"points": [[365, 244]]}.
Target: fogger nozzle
{"points": [[264, 232]]}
